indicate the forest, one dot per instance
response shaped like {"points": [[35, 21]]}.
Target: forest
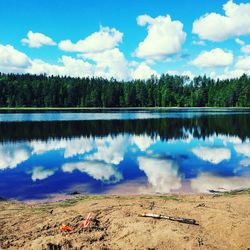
{"points": [[25, 90]]}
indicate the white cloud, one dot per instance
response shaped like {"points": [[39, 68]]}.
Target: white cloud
{"points": [[212, 155], [229, 74], [216, 27], [243, 63], [105, 39], [246, 49], [243, 148], [181, 73], [98, 170], [162, 174], [165, 37], [39, 173], [13, 154], [110, 63], [37, 40], [213, 58], [143, 72], [71, 67], [239, 41], [12, 60], [40, 67], [200, 43], [206, 182], [107, 64]]}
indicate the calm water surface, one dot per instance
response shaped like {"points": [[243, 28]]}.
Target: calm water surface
{"points": [[123, 152]]}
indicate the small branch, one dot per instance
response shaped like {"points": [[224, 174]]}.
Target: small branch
{"points": [[179, 219]]}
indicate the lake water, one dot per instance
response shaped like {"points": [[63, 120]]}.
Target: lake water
{"points": [[43, 154]]}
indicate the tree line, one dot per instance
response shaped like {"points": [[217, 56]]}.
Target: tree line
{"points": [[26, 90]]}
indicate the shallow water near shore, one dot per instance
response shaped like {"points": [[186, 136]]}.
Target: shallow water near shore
{"points": [[43, 154]]}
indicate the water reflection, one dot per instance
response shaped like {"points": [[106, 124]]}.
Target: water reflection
{"points": [[206, 181], [158, 156], [162, 174], [214, 155]]}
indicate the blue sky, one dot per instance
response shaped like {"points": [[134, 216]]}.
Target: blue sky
{"points": [[125, 39]]}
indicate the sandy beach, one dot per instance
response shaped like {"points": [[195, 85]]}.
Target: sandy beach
{"points": [[224, 223]]}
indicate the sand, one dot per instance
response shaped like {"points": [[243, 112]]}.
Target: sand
{"points": [[224, 223]]}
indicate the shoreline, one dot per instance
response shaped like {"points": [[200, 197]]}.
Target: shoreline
{"points": [[117, 108], [116, 223], [57, 198]]}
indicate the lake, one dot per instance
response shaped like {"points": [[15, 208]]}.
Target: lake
{"points": [[51, 153]]}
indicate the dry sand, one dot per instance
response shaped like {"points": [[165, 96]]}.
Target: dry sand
{"points": [[224, 223]]}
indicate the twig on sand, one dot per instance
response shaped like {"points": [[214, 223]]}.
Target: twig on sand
{"points": [[179, 219]]}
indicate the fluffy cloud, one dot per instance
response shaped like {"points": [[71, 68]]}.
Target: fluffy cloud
{"points": [[162, 174], [13, 154], [71, 67], [200, 43], [165, 37], [105, 39], [229, 74], [106, 64], [110, 63], [246, 49], [212, 155], [143, 71], [213, 58], [39, 173], [243, 63], [12, 60], [37, 40], [216, 27], [98, 170], [239, 41], [206, 182]]}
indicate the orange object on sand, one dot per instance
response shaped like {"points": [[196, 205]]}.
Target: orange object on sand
{"points": [[66, 228], [86, 221]]}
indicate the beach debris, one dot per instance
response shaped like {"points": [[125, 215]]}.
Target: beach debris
{"points": [[201, 205], [75, 193], [86, 221], [66, 228], [215, 191], [178, 219], [151, 206], [51, 246]]}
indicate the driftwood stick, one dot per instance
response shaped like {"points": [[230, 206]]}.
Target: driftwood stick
{"points": [[179, 219]]}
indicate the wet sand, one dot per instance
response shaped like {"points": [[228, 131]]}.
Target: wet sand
{"points": [[224, 223]]}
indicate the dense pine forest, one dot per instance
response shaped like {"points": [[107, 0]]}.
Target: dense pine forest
{"points": [[167, 91]]}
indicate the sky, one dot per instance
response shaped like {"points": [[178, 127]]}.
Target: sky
{"points": [[126, 40]]}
